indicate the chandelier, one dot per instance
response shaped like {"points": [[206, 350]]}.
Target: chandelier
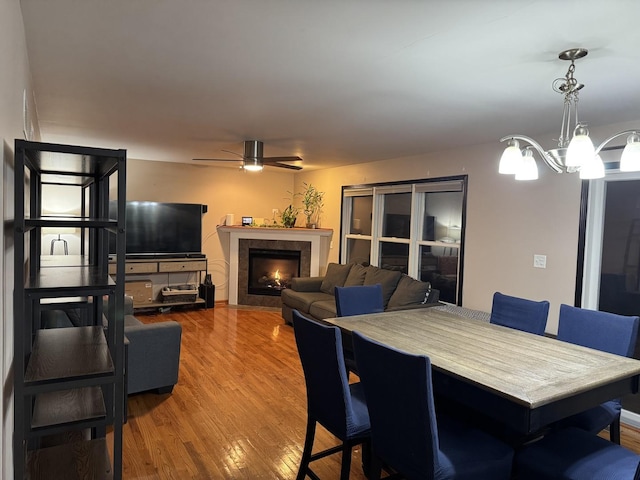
{"points": [[575, 154]]}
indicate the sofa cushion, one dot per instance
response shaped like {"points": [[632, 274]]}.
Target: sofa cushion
{"points": [[356, 275], [75, 316], [335, 277], [55, 319], [323, 309], [387, 278], [409, 292], [302, 301], [131, 321]]}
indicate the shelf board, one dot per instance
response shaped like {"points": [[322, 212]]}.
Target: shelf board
{"points": [[68, 407], [60, 281], [75, 222], [79, 460], [70, 159], [198, 301], [56, 261], [71, 353]]}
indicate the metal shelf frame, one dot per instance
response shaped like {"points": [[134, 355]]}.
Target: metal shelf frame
{"points": [[79, 368]]}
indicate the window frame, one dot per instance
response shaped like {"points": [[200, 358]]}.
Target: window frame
{"points": [[418, 189]]}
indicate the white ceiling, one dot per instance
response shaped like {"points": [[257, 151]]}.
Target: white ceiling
{"points": [[334, 81]]}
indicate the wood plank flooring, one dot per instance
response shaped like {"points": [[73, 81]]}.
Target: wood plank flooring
{"points": [[239, 408]]}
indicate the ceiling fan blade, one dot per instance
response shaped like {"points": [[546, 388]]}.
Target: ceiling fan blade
{"points": [[281, 159], [216, 160], [283, 165], [234, 153]]}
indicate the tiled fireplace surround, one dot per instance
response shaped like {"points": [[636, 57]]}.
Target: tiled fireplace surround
{"points": [[312, 243], [245, 298]]}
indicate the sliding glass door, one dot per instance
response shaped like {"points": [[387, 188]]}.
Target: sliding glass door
{"points": [[612, 252]]}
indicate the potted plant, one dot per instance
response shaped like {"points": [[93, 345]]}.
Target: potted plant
{"points": [[312, 202], [289, 216]]}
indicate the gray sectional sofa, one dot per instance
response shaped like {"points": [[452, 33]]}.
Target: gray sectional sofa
{"points": [[313, 296], [153, 349]]}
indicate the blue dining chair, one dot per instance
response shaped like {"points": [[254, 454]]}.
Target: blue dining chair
{"points": [[405, 433], [358, 300], [332, 402], [606, 332], [574, 454], [519, 313]]}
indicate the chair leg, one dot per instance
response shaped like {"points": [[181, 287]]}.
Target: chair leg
{"points": [[614, 431], [346, 461], [375, 467], [308, 446]]}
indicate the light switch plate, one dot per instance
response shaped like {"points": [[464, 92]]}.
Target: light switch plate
{"points": [[540, 261]]}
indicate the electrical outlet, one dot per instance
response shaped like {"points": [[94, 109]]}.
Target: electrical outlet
{"points": [[540, 261]]}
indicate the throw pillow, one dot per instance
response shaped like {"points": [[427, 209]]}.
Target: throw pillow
{"points": [[335, 277], [356, 275], [387, 278], [410, 292]]}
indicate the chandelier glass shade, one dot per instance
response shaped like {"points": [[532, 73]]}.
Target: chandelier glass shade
{"points": [[575, 151]]}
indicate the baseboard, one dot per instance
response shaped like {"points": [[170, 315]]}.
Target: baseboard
{"points": [[630, 418]]}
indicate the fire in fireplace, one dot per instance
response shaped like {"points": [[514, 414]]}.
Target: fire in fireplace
{"points": [[271, 271]]}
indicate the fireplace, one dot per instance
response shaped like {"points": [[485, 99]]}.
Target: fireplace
{"points": [[312, 243], [271, 256], [271, 270]]}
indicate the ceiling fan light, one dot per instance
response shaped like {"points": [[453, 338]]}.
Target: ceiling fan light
{"points": [[528, 169], [253, 164], [593, 168], [580, 149], [511, 158], [630, 160]]}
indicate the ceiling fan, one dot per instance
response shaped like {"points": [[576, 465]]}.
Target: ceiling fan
{"points": [[253, 160]]}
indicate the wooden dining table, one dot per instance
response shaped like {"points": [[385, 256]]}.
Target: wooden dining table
{"points": [[521, 380]]}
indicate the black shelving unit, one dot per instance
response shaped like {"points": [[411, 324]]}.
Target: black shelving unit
{"points": [[69, 382]]}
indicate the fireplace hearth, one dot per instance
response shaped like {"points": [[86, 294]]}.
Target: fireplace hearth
{"points": [[271, 270]]}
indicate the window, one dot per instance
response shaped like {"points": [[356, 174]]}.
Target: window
{"points": [[415, 227]]}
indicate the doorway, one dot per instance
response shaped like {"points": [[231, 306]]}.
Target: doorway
{"points": [[611, 281]]}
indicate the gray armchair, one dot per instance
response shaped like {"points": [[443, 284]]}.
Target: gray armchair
{"points": [[153, 350], [153, 353]]}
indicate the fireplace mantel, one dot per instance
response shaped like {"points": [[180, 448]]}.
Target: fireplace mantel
{"points": [[319, 238]]}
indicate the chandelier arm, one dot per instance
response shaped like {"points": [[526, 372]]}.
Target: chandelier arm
{"points": [[613, 137], [551, 163]]}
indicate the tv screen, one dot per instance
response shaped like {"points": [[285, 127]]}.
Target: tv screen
{"points": [[163, 228]]}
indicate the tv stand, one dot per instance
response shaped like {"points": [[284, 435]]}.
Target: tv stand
{"points": [[153, 256], [162, 271]]}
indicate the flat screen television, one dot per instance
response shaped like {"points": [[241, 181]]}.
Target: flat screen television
{"points": [[162, 229]]}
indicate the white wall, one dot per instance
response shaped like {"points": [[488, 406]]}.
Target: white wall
{"points": [[507, 221], [224, 190], [14, 81]]}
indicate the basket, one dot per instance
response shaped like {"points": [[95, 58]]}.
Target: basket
{"points": [[179, 293]]}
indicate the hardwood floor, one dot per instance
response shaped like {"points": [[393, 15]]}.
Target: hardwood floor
{"points": [[239, 408]]}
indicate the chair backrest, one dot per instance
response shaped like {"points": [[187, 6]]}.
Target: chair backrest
{"points": [[604, 331], [399, 395], [519, 313], [358, 300], [328, 395]]}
